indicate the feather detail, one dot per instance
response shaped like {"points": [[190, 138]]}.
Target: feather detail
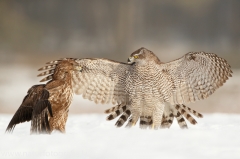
{"points": [[46, 73], [47, 67], [47, 78], [194, 112], [54, 62]]}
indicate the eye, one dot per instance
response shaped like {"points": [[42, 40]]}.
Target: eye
{"points": [[135, 56]]}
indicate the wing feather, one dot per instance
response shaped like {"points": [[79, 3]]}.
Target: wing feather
{"points": [[25, 112], [101, 80], [41, 110], [196, 76]]}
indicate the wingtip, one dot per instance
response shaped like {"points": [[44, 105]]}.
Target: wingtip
{"points": [[54, 61], [200, 115], [40, 69], [47, 67], [110, 117], [46, 73], [119, 124], [194, 122], [107, 111], [9, 130]]}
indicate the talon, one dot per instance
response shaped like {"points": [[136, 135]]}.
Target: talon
{"points": [[153, 126], [133, 124]]}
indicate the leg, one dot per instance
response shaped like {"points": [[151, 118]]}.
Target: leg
{"points": [[62, 123], [157, 115]]}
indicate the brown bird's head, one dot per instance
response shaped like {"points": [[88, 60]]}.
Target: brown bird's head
{"points": [[142, 56]]}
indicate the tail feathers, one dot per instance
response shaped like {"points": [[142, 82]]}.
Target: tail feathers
{"points": [[113, 108], [145, 122], [116, 111], [167, 121], [178, 111], [195, 113], [186, 115], [123, 118], [180, 119]]}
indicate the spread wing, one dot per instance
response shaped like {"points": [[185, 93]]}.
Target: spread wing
{"points": [[101, 80], [196, 75]]}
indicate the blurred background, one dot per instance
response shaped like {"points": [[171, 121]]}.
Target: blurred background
{"points": [[35, 32]]}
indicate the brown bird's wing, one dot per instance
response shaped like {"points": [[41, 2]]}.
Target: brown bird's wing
{"points": [[41, 110], [195, 76], [33, 103], [24, 112]]}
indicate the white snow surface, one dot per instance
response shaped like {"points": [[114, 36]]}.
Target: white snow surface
{"points": [[90, 136]]}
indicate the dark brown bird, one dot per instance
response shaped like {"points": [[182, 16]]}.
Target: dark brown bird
{"points": [[47, 105]]}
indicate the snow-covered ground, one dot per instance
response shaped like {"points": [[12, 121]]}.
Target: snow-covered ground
{"points": [[90, 136]]}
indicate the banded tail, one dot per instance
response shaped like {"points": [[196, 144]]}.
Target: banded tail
{"points": [[178, 111]]}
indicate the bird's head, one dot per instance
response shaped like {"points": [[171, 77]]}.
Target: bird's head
{"points": [[142, 55]]}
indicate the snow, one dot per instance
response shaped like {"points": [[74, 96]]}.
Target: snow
{"points": [[90, 136]]}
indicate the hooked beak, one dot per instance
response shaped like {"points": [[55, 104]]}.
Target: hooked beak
{"points": [[130, 60], [78, 68]]}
